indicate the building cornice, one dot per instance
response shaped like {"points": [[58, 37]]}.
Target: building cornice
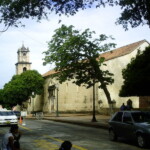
{"points": [[23, 63]]}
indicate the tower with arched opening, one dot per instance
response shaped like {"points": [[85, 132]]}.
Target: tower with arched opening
{"points": [[23, 63]]}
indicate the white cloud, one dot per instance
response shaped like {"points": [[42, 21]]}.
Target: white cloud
{"points": [[36, 35]]}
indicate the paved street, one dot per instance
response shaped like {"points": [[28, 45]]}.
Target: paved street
{"points": [[48, 135]]}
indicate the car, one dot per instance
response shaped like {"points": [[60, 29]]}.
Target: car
{"points": [[8, 118], [134, 125], [18, 114]]}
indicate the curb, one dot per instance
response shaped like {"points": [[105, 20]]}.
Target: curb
{"points": [[103, 126], [81, 123]]}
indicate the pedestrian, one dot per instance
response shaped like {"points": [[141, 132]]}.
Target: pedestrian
{"points": [[66, 145], [10, 140], [123, 107], [129, 104]]}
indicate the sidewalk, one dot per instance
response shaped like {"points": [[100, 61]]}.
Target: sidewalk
{"points": [[80, 119]]}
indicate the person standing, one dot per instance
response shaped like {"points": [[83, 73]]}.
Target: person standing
{"points": [[129, 104], [123, 107], [10, 140]]}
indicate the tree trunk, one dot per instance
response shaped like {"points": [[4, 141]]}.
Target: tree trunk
{"points": [[99, 76], [94, 118], [108, 99], [107, 94]]}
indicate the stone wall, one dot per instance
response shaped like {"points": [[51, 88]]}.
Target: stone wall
{"points": [[115, 66], [73, 98]]}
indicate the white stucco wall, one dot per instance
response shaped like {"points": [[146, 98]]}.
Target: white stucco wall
{"points": [[115, 66], [70, 97], [73, 98]]}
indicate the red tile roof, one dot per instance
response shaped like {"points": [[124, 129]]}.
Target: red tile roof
{"points": [[111, 54], [49, 73], [122, 50]]}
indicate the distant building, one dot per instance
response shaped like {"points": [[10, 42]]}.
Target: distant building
{"points": [[23, 63], [68, 97]]}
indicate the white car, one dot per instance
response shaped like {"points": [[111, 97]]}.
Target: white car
{"points": [[8, 118]]}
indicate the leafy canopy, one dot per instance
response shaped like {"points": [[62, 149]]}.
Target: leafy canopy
{"points": [[136, 75], [20, 88], [77, 56], [134, 12]]}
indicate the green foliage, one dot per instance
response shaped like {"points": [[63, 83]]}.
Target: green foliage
{"points": [[77, 56], [32, 81], [14, 10], [134, 12], [1, 97], [136, 75], [20, 88]]}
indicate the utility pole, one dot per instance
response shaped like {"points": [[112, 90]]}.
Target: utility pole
{"points": [[94, 118], [57, 111]]}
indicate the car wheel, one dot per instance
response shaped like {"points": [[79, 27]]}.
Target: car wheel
{"points": [[141, 141], [112, 135]]}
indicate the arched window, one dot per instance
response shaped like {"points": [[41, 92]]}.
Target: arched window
{"points": [[24, 54], [24, 69]]}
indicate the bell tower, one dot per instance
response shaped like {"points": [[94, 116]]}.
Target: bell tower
{"points": [[23, 63]]}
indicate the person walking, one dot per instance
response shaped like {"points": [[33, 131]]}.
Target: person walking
{"points": [[10, 140], [66, 145]]}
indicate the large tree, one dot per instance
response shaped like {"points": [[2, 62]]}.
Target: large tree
{"points": [[20, 88], [134, 12], [76, 56], [137, 76]]}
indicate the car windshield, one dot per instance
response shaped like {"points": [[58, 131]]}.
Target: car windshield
{"points": [[6, 113], [17, 113], [141, 116]]}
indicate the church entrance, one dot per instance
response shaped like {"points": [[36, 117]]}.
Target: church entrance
{"points": [[51, 91]]}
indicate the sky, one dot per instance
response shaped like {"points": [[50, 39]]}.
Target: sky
{"points": [[36, 35]]}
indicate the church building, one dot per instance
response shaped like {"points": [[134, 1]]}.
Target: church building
{"points": [[68, 97]]}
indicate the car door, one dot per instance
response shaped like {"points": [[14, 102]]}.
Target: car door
{"points": [[116, 123], [127, 126]]}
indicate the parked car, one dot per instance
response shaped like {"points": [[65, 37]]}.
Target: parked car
{"points": [[131, 125], [18, 114], [8, 118]]}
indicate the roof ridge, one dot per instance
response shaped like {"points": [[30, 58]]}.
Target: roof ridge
{"points": [[132, 44], [124, 50], [118, 52]]}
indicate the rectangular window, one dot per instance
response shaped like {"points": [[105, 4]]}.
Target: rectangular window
{"points": [[118, 117], [127, 118]]}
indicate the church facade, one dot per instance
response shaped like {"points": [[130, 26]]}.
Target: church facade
{"points": [[68, 97]]}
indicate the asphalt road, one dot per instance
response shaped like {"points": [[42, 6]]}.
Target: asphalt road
{"points": [[48, 135]]}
